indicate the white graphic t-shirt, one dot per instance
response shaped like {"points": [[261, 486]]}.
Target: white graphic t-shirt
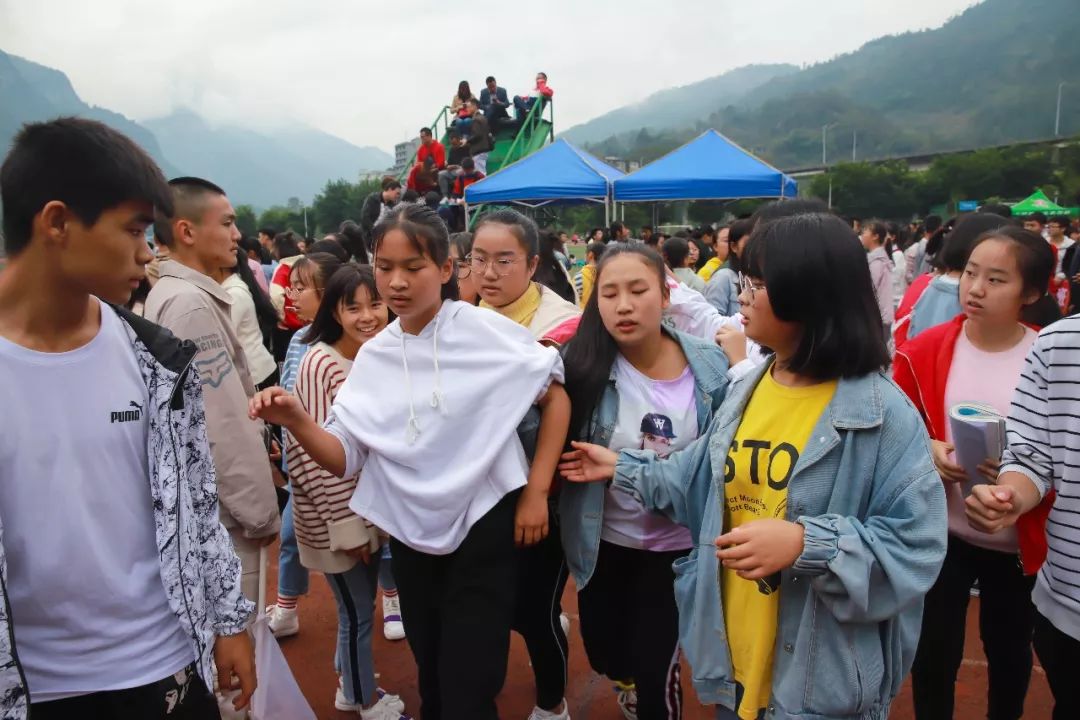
{"points": [[659, 415]]}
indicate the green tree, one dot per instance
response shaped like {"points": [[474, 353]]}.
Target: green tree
{"points": [[246, 221], [885, 190], [281, 218]]}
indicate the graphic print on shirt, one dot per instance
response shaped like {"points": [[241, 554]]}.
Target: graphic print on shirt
{"points": [[774, 469], [130, 415], [213, 371], [657, 434]]}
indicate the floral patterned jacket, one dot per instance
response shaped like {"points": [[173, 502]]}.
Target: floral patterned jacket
{"points": [[199, 569]]}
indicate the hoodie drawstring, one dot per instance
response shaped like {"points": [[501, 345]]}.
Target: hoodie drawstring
{"points": [[412, 430]]}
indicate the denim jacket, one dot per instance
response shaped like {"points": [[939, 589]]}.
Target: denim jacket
{"points": [[581, 505], [873, 508]]}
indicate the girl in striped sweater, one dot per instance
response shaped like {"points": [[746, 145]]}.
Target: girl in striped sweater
{"points": [[333, 539]]}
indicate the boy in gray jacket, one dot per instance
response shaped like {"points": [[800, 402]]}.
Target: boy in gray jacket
{"points": [[201, 236]]}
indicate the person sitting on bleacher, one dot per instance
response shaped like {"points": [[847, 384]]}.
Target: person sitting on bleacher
{"points": [[493, 100], [459, 150], [430, 147], [469, 175], [480, 140], [524, 103], [424, 177]]}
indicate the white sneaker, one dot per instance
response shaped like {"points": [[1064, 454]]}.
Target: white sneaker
{"points": [[393, 628], [283, 622], [384, 710], [391, 701], [565, 622], [538, 714], [626, 695]]}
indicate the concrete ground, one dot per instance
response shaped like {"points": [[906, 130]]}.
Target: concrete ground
{"points": [[311, 657]]}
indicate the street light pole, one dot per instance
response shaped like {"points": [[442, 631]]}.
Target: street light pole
{"points": [[854, 143], [1057, 115], [824, 130]]}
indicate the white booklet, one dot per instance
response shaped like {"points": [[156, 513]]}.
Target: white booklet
{"points": [[978, 433]]}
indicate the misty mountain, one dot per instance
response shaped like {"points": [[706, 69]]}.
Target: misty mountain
{"points": [[260, 169]]}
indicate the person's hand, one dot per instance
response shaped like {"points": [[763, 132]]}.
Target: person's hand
{"points": [[1076, 278], [361, 553], [733, 343], [234, 656], [531, 518], [275, 452], [949, 471], [761, 548], [990, 469], [991, 508], [276, 406], [588, 463]]}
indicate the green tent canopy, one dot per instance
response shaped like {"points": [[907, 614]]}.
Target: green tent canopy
{"points": [[1038, 202]]}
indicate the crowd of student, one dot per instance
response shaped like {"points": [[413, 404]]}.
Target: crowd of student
{"points": [[719, 458]]}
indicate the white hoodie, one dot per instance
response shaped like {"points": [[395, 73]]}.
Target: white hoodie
{"points": [[432, 420]]}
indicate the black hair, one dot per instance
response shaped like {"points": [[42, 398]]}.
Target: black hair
{"points": [[1033, 255], [646, 227], [597, 249], [1038, 217], [705, 252], [427, 233], [464, 92], [432, 199], [463, 242], [287, 245], [187, 194], [250, 245], [352, 237], [317, 268], [468, 164], [411, 196], [1044, 311], [265, 312], [425, 131], [997, 209], [933, 223], [589, 355], [330, 244], [489, 78], [958, 244], [544, 74], [340, 288], [521, 226], [736, 232], [1062, 220], [877, 227], [390, 183], [549, 271], [800, 259], [787, 208], [84, 164], [675, 252], [267, 231], [140, 293], [594, 231], [616, 230]]}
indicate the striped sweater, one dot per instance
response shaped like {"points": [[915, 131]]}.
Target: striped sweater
{"points": [[325, 526], [1044, 446]]}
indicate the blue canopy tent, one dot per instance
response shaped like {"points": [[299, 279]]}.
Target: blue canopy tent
{"points": [[558, 173], [708, 168]]}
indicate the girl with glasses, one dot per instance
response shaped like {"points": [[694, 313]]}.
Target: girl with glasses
{"points": [[812, 498], [634, 383], [443, 470], [504, 259]]}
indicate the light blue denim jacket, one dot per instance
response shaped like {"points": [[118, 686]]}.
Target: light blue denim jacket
{"points": [[873, 507], [581, 505]]}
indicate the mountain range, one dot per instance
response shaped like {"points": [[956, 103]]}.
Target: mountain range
{"points": [[988, 76], [260, 169]]}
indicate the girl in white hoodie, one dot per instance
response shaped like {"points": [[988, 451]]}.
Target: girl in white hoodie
{"points": [[444, 472]]}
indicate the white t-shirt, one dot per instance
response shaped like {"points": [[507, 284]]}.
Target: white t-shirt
{"points": [[1067, 243], [658, 415], [87, 601]]}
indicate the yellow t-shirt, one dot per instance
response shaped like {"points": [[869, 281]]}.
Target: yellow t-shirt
{"points": [[775, 426]]}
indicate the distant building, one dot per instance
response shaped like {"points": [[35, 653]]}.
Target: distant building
{"points": [[403, 152], [626, 166]]}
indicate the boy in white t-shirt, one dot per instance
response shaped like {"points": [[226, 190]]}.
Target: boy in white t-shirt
{"points": [[119, 587]]}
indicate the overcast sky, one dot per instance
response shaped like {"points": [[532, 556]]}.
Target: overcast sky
{"points": [[374, 72]]}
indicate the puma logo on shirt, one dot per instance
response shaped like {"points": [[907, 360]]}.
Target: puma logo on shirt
{"points": [[123, 416]]}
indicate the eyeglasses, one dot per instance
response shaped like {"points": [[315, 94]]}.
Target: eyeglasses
{"points": [[747, 286], [464, 270], [295, 292], [503, 266]]}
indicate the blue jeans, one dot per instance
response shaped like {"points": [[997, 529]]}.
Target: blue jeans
{"points": [[523, 105], [292, 576], [386, 572], [354, 591]]}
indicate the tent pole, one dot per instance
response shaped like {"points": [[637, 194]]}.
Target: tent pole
{"points": [[466, 205]]}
